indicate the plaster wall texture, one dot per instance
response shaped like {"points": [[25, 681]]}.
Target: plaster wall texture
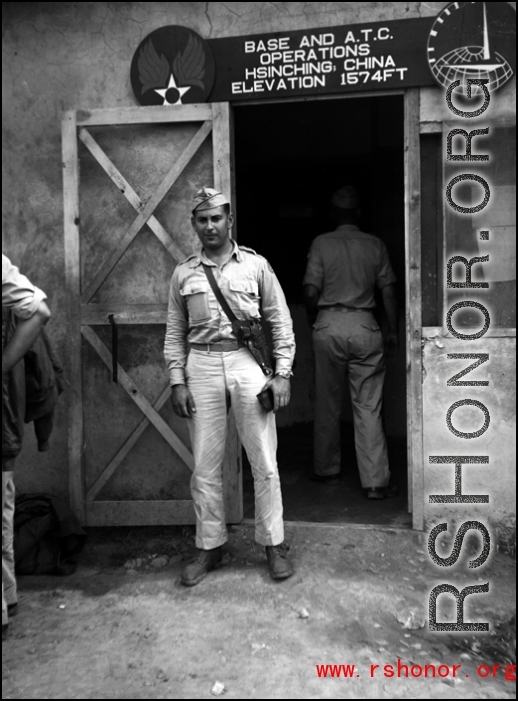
{"points": [[498, 478], [60, 56]]}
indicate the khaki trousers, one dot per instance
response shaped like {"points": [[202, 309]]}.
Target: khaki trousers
{"points": [[211, 378], [350, 343]]}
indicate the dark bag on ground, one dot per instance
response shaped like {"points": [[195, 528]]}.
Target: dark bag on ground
{"points": [[46, 535]]}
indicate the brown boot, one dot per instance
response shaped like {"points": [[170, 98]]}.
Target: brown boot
{"points": [[205, 561], [280, 566]]}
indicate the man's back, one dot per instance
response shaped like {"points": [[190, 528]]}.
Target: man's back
{"points": [[346, 265]]}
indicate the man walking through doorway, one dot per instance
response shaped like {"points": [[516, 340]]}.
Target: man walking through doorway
{"points": [[219, 367], [344, 268]]}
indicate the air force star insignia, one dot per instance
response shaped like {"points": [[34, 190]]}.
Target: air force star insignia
{"points": [[172, 66]]}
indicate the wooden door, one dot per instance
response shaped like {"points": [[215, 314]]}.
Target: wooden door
{"points": [[413, 317], [129, 178]]}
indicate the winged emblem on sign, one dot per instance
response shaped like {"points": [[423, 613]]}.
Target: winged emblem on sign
{"points": [[153, 69], [188, 70], [189, 66]]}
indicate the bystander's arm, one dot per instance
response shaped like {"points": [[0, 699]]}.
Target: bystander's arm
{"points": [[311, 293], [390, 304], [26, 332]]}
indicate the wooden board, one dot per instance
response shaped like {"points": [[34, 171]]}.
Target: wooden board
{"points": [[73, 302], [144, 115], [96, 314], [413, 308]]}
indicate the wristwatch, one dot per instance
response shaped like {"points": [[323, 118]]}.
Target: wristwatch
{"points": [[284, 373]]}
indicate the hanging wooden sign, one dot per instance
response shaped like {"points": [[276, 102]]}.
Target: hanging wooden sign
{"points": [[175, 65], [370, 56]]}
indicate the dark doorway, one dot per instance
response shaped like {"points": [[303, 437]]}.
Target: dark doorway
{"points": [[289, 160]]}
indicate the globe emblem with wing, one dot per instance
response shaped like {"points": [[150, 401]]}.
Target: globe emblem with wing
{"points": [[473, 60], [467, 62]]}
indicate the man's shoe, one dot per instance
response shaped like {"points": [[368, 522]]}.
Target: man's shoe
{"points": [[12, 609], [382, 492], [205, 561], [280, 566], [332, 480]]}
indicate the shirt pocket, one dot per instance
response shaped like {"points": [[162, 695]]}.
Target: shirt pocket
{"points": [[196, 295], [245, 295]]}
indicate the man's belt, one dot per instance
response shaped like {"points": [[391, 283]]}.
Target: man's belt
{"points": [[220, 347], [341, 308]]}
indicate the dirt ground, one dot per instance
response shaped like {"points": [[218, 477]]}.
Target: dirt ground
{"points": [[123, 627]]}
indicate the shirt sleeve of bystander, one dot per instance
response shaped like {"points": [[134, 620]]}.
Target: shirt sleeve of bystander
{"points": [[18, 293], [315, 269], [175, 346], [385, 274]]}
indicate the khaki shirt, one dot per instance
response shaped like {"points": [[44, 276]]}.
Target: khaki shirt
{"points": [[18, 293], [249, 285], [346, 265]]}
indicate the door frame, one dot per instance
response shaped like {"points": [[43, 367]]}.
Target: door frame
{"points": [[224, 179], [413, 301], [82, 316]]}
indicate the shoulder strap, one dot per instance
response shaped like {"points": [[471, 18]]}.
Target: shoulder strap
{"points": [[219, 294]]}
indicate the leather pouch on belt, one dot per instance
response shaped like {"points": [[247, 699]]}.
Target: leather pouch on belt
{"points": [[251, 333]]}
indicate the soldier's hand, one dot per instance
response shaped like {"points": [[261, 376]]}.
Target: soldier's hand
{"points": [[391, 345], [182, 401], [281, 389]]}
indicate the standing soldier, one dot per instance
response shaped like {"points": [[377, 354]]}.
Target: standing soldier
{"points": [[219, 366], [343, 269]]}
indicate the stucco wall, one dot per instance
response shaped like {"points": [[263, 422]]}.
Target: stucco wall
{"points": [[59, 56]]}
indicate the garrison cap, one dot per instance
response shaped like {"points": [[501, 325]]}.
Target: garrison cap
{"points": [[208, 198], [346, 198]]}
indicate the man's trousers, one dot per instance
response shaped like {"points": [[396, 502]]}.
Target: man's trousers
{"points": [[349, 343], [212, 377]]}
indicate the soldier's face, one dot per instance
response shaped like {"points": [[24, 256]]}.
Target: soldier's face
{"points": [[212, 226]]}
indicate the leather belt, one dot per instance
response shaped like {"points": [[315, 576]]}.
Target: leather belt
{"points": [[342, 308], [221, 347]]}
